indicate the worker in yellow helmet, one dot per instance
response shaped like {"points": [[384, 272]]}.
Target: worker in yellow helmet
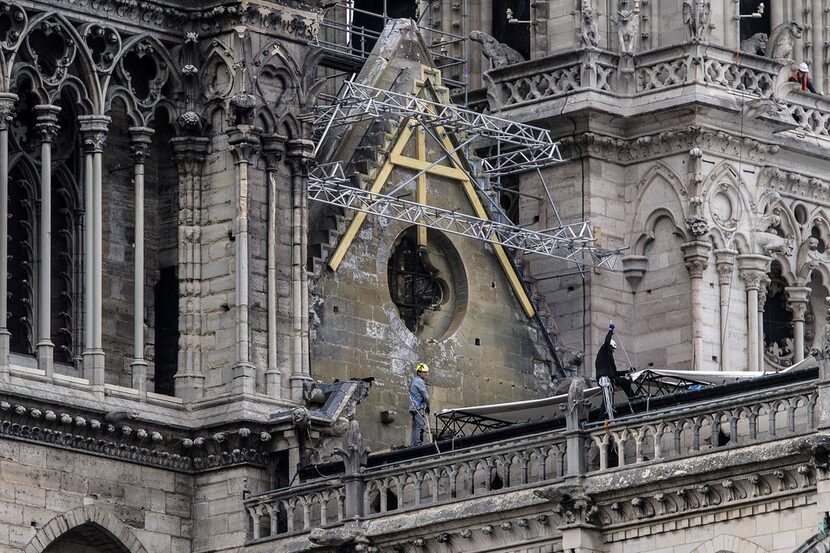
{"points": [[419, 402]]}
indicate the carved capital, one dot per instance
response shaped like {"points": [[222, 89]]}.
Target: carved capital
{"points": [[753, 269], [751, 279], [47, 122], [725, 265], [696, 256], [243, 141], [798, 298], [140, 141], [273, 150], [94, 132], [7, 111], [299, 155], [189, 154]]}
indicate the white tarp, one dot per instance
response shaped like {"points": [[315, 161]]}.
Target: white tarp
{"points": [[535, 409], [522, 411], [715, 377]]}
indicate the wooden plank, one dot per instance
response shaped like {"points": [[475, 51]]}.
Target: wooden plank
{"points": [[380, 179]]}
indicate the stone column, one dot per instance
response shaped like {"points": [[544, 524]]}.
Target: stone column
{"points": [[819, 42], [47, 128], [6, 115], [189, 154], [776, 14], [696, 255], [724, 264], [244, 144], [94, 131], [140, 140], [799, 299], [575, 435], [299, 154], [752, 269], [273, 148]]}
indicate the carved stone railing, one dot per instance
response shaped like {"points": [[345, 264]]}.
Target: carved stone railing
{"points": [[410, 485], [811, 112], [632, 80], [466, 474], [297, 509], [737, 422], [781, 407], [534, 81]]}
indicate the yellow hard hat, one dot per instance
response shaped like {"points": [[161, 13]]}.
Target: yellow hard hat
{"points": [[422, 368]]}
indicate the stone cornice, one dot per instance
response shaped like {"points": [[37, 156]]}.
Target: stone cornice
{"points": [[795, 184], [671, 142], [167, 18], [119, 435]]}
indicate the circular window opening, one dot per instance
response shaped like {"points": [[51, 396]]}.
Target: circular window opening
{"points": [[427, 284]]}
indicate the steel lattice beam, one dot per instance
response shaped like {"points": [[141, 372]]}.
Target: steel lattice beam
{"points": [[573, 243], [520, 147]]}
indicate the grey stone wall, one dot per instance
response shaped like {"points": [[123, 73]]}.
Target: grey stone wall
{"points": [[494, 355], [40, 483]]}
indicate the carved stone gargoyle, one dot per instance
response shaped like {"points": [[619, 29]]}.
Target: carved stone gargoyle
{"points": [[349, 538], [572, 503]]}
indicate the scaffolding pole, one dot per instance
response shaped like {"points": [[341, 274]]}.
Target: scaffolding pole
{"points": [[572, 243], [522, 147]]}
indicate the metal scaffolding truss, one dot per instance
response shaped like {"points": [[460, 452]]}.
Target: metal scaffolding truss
{"points": [[573, 243], [347, 43], [518, 147]]}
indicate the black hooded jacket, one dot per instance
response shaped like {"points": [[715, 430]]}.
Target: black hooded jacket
{"points": [[605, 365]]}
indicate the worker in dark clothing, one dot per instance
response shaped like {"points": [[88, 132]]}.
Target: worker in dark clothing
{"points": [[802, 77], [605, 365]]}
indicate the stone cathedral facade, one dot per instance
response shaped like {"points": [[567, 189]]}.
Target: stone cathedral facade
{"points": [[195, 358]]}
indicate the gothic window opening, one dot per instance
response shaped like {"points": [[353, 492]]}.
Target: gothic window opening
{"points": [[778, 329], [64, 274], [815, 232], [750, 26], [67, 238], [162, 254], [21, 259], [66, 225], [515, 35], [166, 295]]}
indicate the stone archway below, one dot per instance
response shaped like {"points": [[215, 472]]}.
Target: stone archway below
{"points": [[96, 525], [726, 543]]}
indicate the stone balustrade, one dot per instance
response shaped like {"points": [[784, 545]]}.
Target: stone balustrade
{"points": [[781, 408], [748, 76], [297, 509], [736, 422]]}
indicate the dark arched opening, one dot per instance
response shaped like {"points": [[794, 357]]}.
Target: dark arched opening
{"points": [[87, 538]]}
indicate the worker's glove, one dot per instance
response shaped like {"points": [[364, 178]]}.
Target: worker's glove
{"points": [[611, 327], [427, 410]]}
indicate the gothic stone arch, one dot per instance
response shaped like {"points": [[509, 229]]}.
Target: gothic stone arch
{"points": [[97, 516], [729, 544]]}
